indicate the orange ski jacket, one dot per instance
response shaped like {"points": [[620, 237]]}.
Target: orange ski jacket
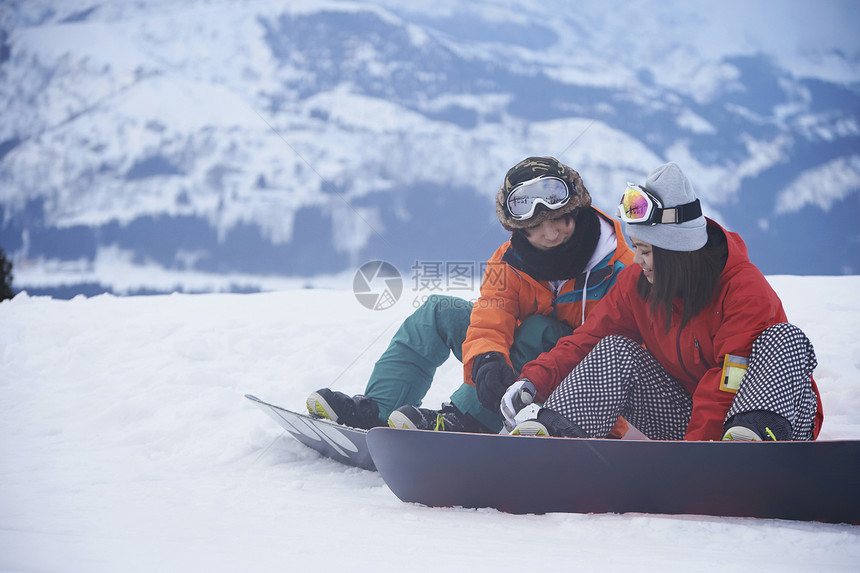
{"points": [[509, 295]]}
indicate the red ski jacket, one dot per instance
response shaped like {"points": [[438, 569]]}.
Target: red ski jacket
{"points": [[743, 306]]}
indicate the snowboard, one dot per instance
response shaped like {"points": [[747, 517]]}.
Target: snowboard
{"points": [[342, 443], [807, 481]]}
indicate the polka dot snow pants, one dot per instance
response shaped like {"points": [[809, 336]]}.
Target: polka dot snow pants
{"points": [[621, 378]]}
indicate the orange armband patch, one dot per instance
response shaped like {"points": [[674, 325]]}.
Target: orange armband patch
{"points": [[734, 368]]}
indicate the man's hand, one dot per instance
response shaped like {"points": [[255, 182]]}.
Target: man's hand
{"points": [[492, 376]]}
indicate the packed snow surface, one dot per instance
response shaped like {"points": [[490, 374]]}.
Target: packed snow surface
{"points": [[127, 445]]}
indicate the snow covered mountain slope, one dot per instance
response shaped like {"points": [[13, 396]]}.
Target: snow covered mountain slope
{"points": [[303, 138]]}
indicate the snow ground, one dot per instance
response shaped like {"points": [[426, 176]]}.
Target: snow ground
{"points": [[127, 445]]}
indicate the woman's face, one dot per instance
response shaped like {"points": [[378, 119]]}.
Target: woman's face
{"points": [[644, 257], [551, 233]]}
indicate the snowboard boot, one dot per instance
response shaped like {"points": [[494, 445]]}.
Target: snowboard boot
{"points": [[530, 428], [757, 426], [354, 411], [446, 419], [549, 423], [741, 434]]}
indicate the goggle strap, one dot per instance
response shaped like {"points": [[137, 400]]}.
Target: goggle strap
{"points": [[682, 213]]}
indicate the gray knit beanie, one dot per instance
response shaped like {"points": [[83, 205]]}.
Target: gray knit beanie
{"points": [[673, 188]]}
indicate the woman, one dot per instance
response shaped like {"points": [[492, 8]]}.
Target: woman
{"points": [[692, 343], [563, 256]]}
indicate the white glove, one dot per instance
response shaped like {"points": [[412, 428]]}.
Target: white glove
{"points": [[518, 395]]}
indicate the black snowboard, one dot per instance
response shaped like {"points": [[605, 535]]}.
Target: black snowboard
{"points": [[808, 481], [342, 443]]}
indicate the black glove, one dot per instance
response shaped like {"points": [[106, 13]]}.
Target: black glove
{"points": [[492, 376]]}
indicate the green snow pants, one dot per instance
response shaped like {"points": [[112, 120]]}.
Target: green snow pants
{"points": [[425, 340]]}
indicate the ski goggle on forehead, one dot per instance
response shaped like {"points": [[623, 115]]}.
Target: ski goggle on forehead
{"points": [[641, 207], [547, 190]]}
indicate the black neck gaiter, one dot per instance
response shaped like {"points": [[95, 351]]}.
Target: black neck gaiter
{"points": [[564, 262]]}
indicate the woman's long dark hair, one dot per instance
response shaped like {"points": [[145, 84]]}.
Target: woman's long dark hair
{"points": [[692, 276]]}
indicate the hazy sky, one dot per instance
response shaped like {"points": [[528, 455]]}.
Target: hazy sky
{"points": [[787, 25]]}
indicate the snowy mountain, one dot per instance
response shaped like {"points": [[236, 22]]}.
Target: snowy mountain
{"points": [[298, 139]]}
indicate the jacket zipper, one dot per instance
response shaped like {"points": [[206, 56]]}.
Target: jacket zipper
{"points": [[681, 357], [702, 354]]}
